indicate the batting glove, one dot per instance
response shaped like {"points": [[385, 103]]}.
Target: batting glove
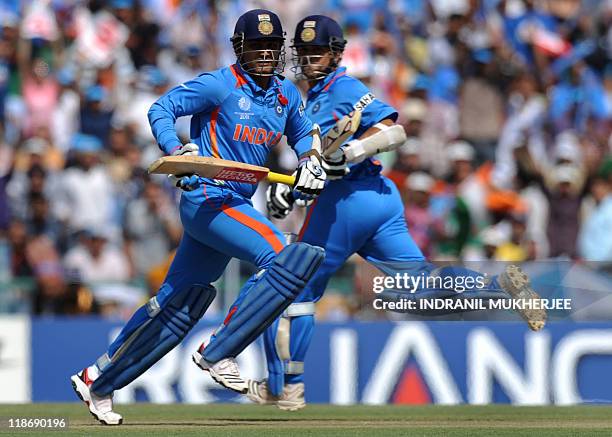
{"points": [[335, 165], [309, 177], [186, 182], [279, 200], [187, 149]]}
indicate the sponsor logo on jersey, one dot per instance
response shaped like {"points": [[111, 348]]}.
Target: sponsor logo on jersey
{"points": [[255, 135], [316, 108], [364, 101], [301, 109]]}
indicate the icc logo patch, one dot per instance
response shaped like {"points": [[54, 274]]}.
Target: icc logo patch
{"points": [[316, 108], [244, 103]]}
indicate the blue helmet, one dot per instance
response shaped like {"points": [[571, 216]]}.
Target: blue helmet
{"points": [[259, 25], [317, 31]]}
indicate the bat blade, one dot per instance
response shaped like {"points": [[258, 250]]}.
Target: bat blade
{"points": [[208, 167], [342, 131]]}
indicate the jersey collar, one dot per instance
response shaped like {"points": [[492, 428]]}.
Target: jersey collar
{"points": [[243, 78], [327, 82]]}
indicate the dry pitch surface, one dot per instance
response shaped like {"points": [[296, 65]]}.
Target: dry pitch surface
{"points": [[323, 420]]}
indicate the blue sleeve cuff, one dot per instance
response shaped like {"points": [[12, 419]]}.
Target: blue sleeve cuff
{"points": [[302, 146]]}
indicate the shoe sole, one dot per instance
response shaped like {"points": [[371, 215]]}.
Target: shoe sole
{"points": [[517, 284], [290, 407], [196, 357], [87, 402]]}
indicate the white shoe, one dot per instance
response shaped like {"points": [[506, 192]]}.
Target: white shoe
{"points": [[100, 407], [224, 372], [259, 393], [292, 398], [516, 283]]}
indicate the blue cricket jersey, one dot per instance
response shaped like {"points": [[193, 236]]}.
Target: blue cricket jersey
{"points": [[336, 96], [233, 118]]}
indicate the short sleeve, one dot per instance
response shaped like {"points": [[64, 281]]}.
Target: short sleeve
{"points": [[349, 94]]}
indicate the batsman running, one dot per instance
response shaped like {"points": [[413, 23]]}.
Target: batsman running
{"points": [[360, 211], [238, 114]]}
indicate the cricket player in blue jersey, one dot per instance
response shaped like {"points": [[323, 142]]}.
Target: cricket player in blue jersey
{"points": [[238, 113], [360, 211]]}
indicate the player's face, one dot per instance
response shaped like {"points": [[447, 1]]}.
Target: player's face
{"points": [[261, 57], [314, 62]]}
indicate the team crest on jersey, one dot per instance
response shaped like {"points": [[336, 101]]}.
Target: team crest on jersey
{"points": [[244, 103], [279, 110], [301, 109], [316, 108], [308, 34]]}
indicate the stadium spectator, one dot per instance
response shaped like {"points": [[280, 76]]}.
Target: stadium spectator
{"points": [[17, 238], [40, 222], [66, 117], [95, 118], [407, 160], [152, 84], [85, 197], [31, 175], [425, 226], [481, 105], [594, 241], [152, 228], [94, 260], [40, 94], [523, 82]]}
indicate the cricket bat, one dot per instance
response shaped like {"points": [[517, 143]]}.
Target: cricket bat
{"points": [[342, 131], [214, 168]]}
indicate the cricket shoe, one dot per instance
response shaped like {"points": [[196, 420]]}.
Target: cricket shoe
{"points": [[224, 372], [259, 393], [516, 283], [100, 407], [292, 398]]}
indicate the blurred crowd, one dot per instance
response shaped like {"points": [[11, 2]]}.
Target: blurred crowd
{"points": [[507, 105]]}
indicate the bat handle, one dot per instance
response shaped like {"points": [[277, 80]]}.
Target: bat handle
{"points": [[281, 178]]}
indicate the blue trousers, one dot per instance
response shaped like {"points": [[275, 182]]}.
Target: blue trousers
{"points": [[219, 224], [364, 216]]}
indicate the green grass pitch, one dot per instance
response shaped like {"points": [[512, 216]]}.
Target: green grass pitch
{"points": [[323, 420]]}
